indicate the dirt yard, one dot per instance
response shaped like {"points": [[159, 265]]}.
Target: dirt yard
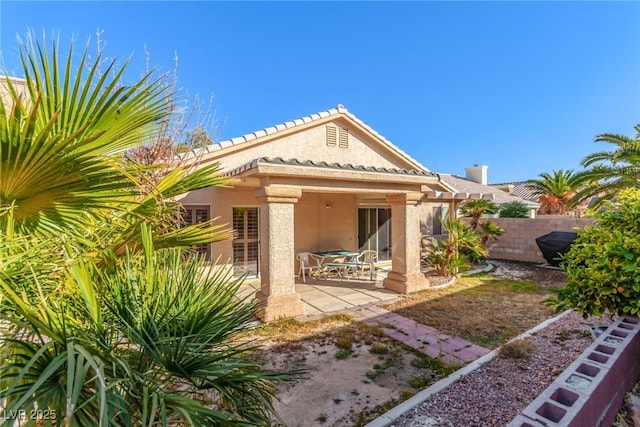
{"points": [[354, 372]]}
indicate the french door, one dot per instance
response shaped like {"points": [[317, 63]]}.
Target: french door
{"points": [[246, 242], [374, 231]]}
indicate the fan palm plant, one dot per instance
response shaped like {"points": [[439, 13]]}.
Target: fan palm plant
{"points": [[555, 190], [609, 172], [489, 231], [60, 153], [476, 209], [104, 320], [447, 257]]}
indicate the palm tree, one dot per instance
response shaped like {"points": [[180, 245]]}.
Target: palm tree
{"points": [[609, 172], [476, 208], [555, 190], [106, 320], [514, 210], [60, 152]]}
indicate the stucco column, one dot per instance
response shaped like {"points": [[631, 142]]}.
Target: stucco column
{"points": [[277, 293], [405, 275]]}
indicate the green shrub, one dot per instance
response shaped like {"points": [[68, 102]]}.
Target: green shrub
{"points": [[603, 265], [514, 210]]}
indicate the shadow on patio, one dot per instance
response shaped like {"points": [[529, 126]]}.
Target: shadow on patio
{"points": [[322, 296]]}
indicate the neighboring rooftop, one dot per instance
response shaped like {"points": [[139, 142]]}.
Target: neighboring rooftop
{"points": [[518, 189], [464, 185]]}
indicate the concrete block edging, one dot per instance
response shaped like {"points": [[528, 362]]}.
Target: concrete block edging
{"points": [[591, 390]]}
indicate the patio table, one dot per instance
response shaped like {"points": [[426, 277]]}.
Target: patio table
{"points": [[336, 253], [340, 268]]}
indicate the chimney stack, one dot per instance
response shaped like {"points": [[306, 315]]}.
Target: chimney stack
{"points": [[477, 173]]}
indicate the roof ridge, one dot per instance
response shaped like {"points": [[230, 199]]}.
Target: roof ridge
{"points": [[509, 182]]}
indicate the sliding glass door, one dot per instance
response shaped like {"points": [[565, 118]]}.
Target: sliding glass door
{"points": [[374, 231]]}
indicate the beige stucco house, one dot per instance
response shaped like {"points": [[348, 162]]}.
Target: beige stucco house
{"points": [[323, 182]]}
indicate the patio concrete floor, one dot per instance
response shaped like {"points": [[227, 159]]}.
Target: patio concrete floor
{"points": [[323, 296]]}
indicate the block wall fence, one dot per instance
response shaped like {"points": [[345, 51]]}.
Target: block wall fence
{"points": [[591, 390], [518, 243]]}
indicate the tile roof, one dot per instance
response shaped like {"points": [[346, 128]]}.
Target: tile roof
{"points": [[339, 110], [464, 185], [310, 163], [520, 189]]}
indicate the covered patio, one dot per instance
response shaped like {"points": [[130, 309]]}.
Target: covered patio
{"points": [[315, 206]]}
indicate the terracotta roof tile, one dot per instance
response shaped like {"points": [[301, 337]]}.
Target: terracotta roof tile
{"points": [[520, 189], [347, 166]]}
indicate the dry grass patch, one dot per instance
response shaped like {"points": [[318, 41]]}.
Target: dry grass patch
{"points": [[294, 330], [518, 349], [484, 310]]}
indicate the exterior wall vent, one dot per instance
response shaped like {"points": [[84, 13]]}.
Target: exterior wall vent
{"points": [[332, 137], [344, 138]]}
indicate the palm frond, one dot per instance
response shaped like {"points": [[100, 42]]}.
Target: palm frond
{"points": [[58, 148]]}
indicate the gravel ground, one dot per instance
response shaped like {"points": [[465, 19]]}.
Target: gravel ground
{"points": [[496, 392]]}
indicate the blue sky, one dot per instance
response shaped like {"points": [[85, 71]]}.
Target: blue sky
{"points": [[522, 87]]}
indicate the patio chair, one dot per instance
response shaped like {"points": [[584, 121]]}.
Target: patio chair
{"points": [[368, 258], [308, 262]]}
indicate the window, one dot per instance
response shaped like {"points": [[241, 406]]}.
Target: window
{"points": [[246, 243], [197, 215], [374, 231], [439, 215]]}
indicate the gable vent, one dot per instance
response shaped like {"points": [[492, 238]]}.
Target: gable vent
{"points": [[332, 136], [344, 138]]}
